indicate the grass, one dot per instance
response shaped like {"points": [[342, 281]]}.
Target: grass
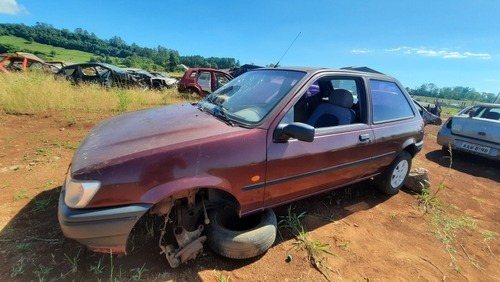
{"points": [[303, 241], [39, 92], [42, 272], [99, 267], [219, 277], [23, 246], [41, 205], [21, 194], [137, 273], [73, 262], [61, 54], [446, 223], [18, 268]]}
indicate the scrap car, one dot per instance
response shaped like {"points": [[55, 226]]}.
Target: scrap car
{"points": [[212, 171], [474, 130], [23, 62], [203, 81], [168, 81], [104, 74]]}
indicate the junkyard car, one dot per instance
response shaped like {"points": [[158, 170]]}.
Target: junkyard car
{"points": [[101, 73], [266, 138], [22, 62], [429, 118], [168, 81], [475, 130], [203, 80], [148, 80]]}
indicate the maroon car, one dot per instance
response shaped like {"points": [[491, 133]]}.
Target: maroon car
{"points": [[203, 81], [214, 170]]}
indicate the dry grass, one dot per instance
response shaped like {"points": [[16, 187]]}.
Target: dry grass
{"points": [[38, 92]]}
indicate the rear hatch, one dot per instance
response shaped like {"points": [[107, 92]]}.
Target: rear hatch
{"points": [[477, 128]]}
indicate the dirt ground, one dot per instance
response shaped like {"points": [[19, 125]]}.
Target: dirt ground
{"points": [[368, 236]]}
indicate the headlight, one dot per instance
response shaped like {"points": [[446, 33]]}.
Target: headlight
{"points": [[79, 192]]}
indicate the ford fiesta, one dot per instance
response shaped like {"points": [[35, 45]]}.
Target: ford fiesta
{"points": [[215, 169]]}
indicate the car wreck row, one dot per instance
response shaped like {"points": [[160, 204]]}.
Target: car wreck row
{"points": [[109, 76], [213, 170]]}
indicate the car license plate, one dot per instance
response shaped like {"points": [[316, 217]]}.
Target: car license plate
{"points": [[475, 148]]}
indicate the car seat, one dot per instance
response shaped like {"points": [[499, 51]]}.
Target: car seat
{"points": [[338, 110]]}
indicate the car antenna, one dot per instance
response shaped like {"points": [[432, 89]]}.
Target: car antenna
{"points": [[276, 65]]}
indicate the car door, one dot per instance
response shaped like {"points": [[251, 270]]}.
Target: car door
{"points": [[394, 119], [339, 154], [205, 81]]}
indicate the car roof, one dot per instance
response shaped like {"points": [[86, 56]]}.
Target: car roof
{"points": [[314, 70]]}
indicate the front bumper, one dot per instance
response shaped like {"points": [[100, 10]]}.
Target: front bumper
{"points": [[103, 229]]}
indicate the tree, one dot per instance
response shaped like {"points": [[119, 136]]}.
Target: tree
{"points": [[173, 61]]}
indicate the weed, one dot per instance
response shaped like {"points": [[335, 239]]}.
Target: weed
{"points": [[488, 235], [23, 247], [21, 194], [42, 272], [99, 267], [66, 145], [49, 183], [446, 223], [73, 262], [42, 151], [18, 268], [123, 101], [314, 248], [41, 205], [220, 277], [427, 200], [71, 119], [138, 272]]}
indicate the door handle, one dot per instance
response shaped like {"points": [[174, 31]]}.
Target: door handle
{"points": [[364, 137]]}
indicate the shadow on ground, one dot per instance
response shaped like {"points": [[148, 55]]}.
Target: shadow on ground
{"points": [[467, 163], [33, 247]]}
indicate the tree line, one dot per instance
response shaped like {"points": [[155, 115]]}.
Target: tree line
{"points": [[114, 50], [452, 93]]}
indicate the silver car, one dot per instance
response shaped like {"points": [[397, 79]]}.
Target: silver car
{"points": [[475, 130]]}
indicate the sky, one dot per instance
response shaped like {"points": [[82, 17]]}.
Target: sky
{"points": [[446, 42]]}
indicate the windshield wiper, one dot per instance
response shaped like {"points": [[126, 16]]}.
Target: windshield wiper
{"points": [[219, 110]]}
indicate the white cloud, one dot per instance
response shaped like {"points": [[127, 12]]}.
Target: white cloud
{"points": [[361, 51], [443, 53], [11, 7]]}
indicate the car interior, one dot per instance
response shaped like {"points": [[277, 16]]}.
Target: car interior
{"points": [[325, 105]]}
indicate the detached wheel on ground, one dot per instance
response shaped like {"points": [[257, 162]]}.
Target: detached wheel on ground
{"points": [[232, 237], [393, 178]]}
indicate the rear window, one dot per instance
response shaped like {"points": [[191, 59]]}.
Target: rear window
{"points": [[389, 102]]}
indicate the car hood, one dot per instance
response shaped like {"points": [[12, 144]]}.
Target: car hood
{"points": [[130, 135]]}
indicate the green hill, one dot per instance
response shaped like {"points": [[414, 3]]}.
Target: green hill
{"points": [[46, 52]]}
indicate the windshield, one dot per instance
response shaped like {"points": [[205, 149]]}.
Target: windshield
{"points": [[250, 97]]}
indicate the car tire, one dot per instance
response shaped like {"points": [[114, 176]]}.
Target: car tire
{"points": [[241, 238], [394, 177]]}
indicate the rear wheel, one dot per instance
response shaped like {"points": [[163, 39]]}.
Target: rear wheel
{"points": [[241, 238], [393, 178]]}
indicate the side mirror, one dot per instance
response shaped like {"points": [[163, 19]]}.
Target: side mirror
{"points": [[297, 130]]}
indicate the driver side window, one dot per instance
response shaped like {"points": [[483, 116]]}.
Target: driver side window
{"points": [[328, 102]]}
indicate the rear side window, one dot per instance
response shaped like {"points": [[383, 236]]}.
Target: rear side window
{"points": [[389, 102]]}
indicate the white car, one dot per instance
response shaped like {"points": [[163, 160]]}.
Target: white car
{"points": [[475, 130]]}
